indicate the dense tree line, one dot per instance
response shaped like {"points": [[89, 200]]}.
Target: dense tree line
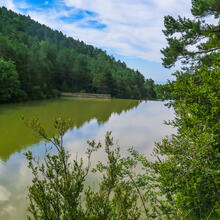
{"points": [[45, 61]]}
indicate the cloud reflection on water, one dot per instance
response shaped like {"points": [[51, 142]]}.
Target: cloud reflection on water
{"points": [[139, 127]]}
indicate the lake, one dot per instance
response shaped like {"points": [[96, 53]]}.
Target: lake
{"points": [[133, 123]]}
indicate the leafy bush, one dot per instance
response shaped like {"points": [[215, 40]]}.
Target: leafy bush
{"points": [[58, 187]]}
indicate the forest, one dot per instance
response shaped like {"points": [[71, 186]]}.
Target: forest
{"points": [[37, 62]]}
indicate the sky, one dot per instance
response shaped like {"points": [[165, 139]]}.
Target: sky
{"points": [[130, 30]]}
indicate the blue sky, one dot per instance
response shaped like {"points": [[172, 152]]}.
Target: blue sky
{"points": [[130, 30]]}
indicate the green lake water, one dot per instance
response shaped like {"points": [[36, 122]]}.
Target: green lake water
{"points": [[133, 123]]}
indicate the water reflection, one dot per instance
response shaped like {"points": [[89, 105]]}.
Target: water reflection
{"points": [[138, 126], [14, 135]]}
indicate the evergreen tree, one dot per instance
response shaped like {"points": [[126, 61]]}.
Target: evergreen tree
{"points": [[9, 83], [192, 34]]}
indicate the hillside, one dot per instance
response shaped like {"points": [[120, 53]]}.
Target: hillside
{"points": [[36, 62]]}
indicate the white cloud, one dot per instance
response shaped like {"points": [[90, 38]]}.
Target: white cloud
{"points": [[8, 4], [134, 28], [23, 5], [4, 194], [148, 127], [8, 209]]}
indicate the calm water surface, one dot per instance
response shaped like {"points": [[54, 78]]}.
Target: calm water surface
{"points": [[133, 123]]}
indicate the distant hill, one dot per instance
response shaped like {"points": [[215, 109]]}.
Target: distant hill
{"points": [[47, 61]]}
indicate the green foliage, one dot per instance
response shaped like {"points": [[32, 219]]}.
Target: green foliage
{"points": [[150, 89], [9, 82], [57, 184], [47, 60], [162, 92], [202, 8], [58, 187], [115, 198], [183, 33], [193, 154], [197, 99], [189, 174]]}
